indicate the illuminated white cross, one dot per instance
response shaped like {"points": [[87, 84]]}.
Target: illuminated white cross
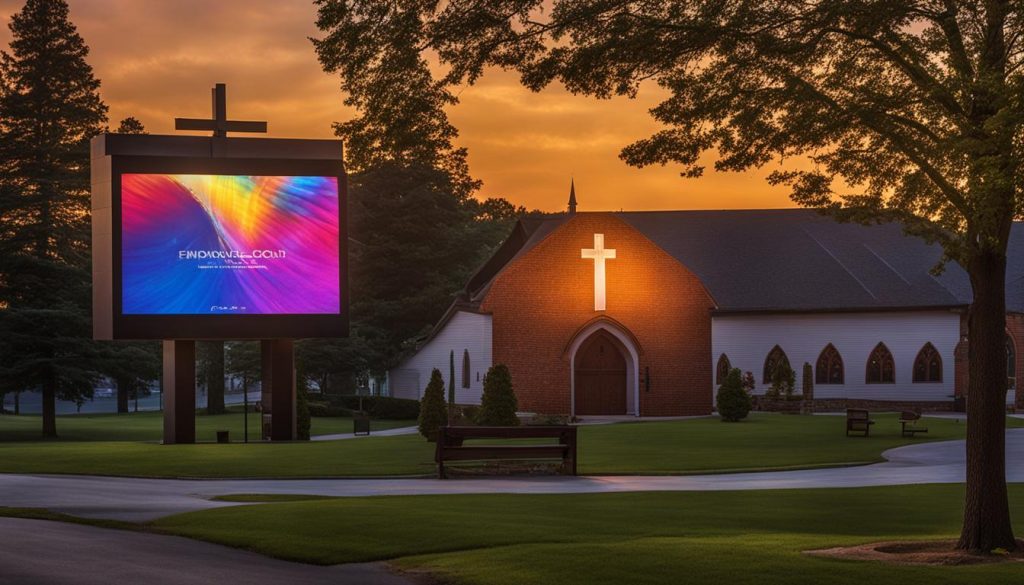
{"points": [[599, 255]]}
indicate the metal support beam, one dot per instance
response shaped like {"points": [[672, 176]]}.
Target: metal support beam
{"points": [[278, 361], [179, 391]]}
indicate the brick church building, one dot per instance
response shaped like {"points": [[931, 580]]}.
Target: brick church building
{"points": [[642, 313]]}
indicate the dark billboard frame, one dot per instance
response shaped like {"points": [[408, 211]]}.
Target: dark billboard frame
{"points": [[202, 326]]}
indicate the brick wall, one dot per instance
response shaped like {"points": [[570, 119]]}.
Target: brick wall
{"points": [[542, 299]]}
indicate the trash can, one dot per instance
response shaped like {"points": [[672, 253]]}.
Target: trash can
{"points": [[361, 424], [222, 437]]}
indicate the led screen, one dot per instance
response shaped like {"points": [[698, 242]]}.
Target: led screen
{"points": [[229, 244]]}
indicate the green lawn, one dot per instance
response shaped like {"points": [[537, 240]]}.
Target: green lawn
{"points": [[636, 538], [148, 426], [765, 441]]}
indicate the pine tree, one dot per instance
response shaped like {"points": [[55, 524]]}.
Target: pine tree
{"points": [[732, 400], [498, 404], [433, 411], [49, 110]]}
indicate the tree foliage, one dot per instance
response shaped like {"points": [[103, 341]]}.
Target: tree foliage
{"points": [[49, 109], [131, 125], [732, 400], [498, 404], [433, 409], [907, 110], [414, 243], [210, 373]]}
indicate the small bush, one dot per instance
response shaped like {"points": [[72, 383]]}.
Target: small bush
{"points": [[471, 412], [433, 408], [498, 405], [544, 420], [732, 401], [748, 382], [783, 381]]}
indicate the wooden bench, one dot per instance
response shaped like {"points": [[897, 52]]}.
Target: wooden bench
{"points": [[908, 424], [450, 445], [858, 420]]}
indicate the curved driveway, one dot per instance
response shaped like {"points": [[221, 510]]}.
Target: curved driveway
{"points": [[136, 500]]}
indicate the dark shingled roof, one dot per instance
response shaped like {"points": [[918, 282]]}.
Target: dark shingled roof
{"points": [[789, 260]]}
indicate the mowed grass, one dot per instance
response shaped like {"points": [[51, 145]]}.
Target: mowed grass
{"points": [[148, 426], [637, 538], [765, 441]]}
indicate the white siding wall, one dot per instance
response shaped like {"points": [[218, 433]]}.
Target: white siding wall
{"points": [[464, 331], [747, 339]]}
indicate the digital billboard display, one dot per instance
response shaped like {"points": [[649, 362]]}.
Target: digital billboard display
{"points": [[219, 247], [229, 244]]}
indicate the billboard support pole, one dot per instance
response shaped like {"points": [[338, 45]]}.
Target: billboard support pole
{"points": [[179, 391], [278, 362]]}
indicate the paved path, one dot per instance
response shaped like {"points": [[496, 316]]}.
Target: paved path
{"points": [[136, 500], [40, 552], [384, 433]]}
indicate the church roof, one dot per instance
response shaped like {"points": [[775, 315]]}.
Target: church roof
{"points": [[789, 260]]}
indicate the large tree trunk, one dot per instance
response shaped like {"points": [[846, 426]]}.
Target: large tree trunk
{"points": [[215, 379], [50, 408], [986, 508], [123, 385], [17, 402]]}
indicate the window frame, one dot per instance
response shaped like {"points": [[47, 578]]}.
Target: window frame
{"points": [[831, 352], [881, 347]]}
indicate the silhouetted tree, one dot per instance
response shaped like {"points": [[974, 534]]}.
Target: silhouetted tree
{"points": [[909, 110], [49, 109], [131, 125], [210, 369]]}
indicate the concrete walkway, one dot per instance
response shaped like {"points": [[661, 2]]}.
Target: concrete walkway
{"points": [[384, 433], [137, 500], [38, 552]]}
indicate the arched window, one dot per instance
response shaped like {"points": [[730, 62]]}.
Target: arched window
{"points": [[928, 364], [466, 375], [776, 357], [881, 367], [722, 369], [1011, 363], [829, 369]]}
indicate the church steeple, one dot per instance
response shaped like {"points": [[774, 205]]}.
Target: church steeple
{"points": [[572, 196]]}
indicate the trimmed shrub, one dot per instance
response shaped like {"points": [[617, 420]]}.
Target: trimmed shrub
{"points": [[471, 412], [433, 408], [498, 405], [733, 402]]}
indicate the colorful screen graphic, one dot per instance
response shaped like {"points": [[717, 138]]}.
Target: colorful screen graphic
{"points": [[229, 244]]}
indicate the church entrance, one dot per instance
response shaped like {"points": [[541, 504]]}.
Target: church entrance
{"points": [[600, 377]]}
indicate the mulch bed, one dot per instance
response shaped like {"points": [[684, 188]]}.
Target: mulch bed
{"points": [[928, 552]]}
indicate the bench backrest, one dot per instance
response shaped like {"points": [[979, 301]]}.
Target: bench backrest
{"points": [[453, 436], [857, 414], [909, 415]]}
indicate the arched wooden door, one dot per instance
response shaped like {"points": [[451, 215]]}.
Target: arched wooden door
{"points": [[600, 379]]}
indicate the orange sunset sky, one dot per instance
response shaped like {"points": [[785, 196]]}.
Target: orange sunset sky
{"points": [[157, 59]]}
